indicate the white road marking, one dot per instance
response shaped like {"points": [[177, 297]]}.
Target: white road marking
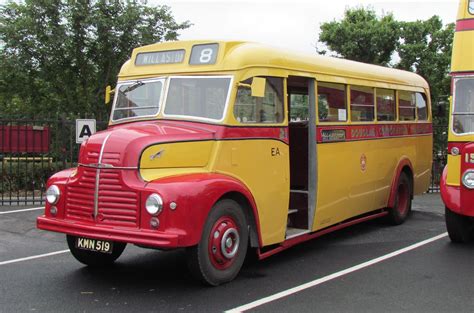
{"points": [[34, 257], [22, 210], [322, 280]]}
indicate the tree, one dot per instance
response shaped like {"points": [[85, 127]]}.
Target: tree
{"points": [[59, 55], [423, 47], [361, 36]]}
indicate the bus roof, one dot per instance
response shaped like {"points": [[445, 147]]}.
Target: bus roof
{"points": [[238, 55]]}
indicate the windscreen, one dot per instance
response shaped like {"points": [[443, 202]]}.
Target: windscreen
{"points": [[137, 99], [201, 97], [463, 113]]}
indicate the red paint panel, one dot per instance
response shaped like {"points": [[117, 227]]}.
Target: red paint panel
{"points": [[450, 195], [277, 133], [194, 194], [453, 144], [463, 25], [122, 216], [365, 132], [466, 195], [135, 236]]}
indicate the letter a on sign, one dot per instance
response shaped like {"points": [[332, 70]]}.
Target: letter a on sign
{"points": [[84, 129]]}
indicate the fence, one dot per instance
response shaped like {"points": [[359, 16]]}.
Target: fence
{"points": [[31, 150]]}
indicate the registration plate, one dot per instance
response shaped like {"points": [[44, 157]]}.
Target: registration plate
{"points": [[101, 246]]}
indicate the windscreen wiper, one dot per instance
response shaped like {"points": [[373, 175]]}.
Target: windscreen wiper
{"points": [[133, 87]]}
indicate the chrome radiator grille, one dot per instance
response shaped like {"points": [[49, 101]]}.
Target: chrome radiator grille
{"points": [[117, 205]]}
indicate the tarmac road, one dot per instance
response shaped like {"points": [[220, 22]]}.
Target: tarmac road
{"points": [[434, 276]]}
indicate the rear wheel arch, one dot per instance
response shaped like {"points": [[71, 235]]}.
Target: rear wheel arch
{"points": [[404, 166]]}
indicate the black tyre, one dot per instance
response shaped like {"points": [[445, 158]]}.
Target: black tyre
{"points": [[460, 228], [92, 258], [218, 257], [402, 206]]}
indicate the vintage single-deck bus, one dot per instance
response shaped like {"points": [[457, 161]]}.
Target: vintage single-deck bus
{"points": [[220, 146], [457, 181]]}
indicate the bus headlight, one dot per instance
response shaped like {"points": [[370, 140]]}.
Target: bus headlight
{"points": [[468, 179], [52, 194], [154, 204]]}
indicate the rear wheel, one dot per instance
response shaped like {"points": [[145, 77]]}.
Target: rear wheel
{"points": [[218, 257], [402, 206], [92, 258], [460, 228]]}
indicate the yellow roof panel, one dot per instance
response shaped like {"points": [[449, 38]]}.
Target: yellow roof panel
{"points": [[236, 55]]}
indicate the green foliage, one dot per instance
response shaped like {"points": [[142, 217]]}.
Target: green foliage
{"points": [[423, 47], [361, 36], [59, 55]]}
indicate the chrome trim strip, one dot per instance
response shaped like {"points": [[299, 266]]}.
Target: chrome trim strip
{"points": [[97, 177], [108, 166]]}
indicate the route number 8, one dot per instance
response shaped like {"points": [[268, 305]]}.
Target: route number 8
{"points": [[206, 55]]}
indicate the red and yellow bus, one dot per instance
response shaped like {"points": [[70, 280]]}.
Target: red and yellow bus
{"points": [[457, 181], [220, 146]]}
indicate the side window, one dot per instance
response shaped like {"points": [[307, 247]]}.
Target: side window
{"points": [[269, 109], [298, 107], [406, 105], [332, 102], [421, 108], [362, 104], [471, 7], [386, 105]]}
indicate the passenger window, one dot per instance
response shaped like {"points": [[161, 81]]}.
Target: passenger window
{"points": [[386, 105], [362, 104], [269, 109], [406, 105], [421, 106], [299, 108], [332, 102]]}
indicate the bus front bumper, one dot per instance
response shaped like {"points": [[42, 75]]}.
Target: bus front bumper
{"points": [[143, 237]]}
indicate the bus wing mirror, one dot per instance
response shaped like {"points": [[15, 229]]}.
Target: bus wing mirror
{"points": [[258, 87], [108, 91]]}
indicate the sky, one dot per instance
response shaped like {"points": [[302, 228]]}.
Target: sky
{"points": [[289, 24]]}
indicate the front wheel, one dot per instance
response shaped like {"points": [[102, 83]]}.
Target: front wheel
{"points": [[93, 258], [220, 253], [402, 207], [460, 228]]}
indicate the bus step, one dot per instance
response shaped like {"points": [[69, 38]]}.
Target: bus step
{"points": [[295, 232], [299, 191], [292, 211]]}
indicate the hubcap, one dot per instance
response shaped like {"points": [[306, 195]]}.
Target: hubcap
{"points": [[224, 242]]}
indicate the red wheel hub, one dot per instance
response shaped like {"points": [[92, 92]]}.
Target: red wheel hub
{"points": [[402, 199], [224, 242]]}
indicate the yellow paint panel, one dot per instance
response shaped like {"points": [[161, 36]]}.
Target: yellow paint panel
{"points": [[177, 155], [454, 170], [345, 190], [463, 47], [262, 165], [152, 174]]}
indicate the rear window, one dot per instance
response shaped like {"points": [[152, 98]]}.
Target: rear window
{"points": [[421, 107]]}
